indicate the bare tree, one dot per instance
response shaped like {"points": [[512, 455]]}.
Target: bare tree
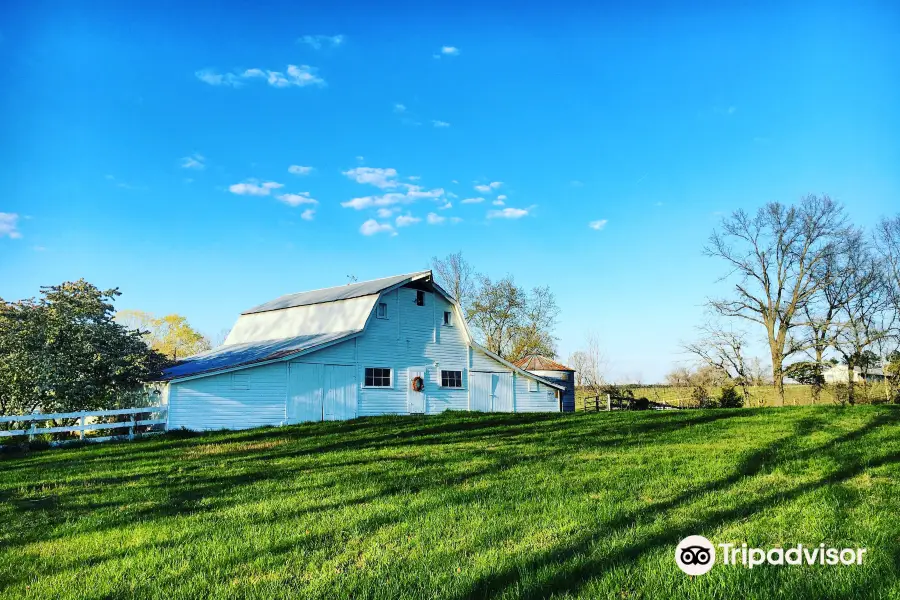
{"points": [[865, 319], [724, 349], [887, 240], [776, 256], [590, 365], [457, 276], [837, 274], [495, 313]]}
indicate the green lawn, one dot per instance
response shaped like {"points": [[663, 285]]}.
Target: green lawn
{"points": [[459, 506]]}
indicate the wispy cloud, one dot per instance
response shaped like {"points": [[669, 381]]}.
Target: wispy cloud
{"points": [[297, 199], [412, 194], [435, 219], [473, 200], [253, 187], [486, 188], [299, 170], [599, 224], [576, 183], [8, 225], [380, 178], [399, 108], [450, 51], [319, 41], [194, 161], [371, 227], [407, 220], [498, 202], [447, 206], [308, 215], [508, 213], [386, 213], [295, 75], [440, 124], [125, 185]]}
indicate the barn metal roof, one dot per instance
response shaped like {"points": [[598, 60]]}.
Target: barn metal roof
{"points": [[239, 355], [535, 362], [343, 292]]}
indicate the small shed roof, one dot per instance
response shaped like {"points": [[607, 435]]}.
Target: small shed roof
{"points": [[536, 362], [342, 292], [240, 355]]}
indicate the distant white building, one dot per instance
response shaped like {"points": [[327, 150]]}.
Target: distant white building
{"points": [[397, 345], [840, 374]]}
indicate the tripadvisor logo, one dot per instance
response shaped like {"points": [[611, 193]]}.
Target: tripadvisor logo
{"points": [[696, 555]]}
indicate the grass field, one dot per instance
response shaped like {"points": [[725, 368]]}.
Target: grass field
{"points": [[762, 395], [460, 506]]}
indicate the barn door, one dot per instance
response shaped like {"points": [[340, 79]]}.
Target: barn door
{"points": [[481, 390], [340, 392], [502, 388], [416, 401], [304, 393]]}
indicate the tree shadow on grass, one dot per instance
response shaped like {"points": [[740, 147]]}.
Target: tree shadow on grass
{"points": [[570, 576]]}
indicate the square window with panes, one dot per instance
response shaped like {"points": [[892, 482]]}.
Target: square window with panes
{"points": [[378, 377], [451, 379]]}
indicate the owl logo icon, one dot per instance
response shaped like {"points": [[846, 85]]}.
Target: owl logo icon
{"points": [[695, 555]]}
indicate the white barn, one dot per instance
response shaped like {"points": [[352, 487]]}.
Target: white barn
{"points": [[346, 352]]}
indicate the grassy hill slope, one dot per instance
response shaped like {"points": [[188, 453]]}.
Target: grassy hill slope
{"points": [[459, 506]]}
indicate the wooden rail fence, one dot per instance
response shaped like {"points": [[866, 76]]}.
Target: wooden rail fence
{"points": [[84, 426]]}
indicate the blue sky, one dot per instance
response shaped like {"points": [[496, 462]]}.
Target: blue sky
{"points": [[151, 149]]}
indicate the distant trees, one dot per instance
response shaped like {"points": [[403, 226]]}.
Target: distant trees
{"points": [[170, 335], [507, 319], [63, 352], [590, 366], [724, 349]]}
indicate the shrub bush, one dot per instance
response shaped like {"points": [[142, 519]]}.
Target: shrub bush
{"points": [[730, 398]]}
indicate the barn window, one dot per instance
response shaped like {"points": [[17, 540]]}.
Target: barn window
{"points": [[532, 385], [240, 381], [420, 298], [381, 310], [451, 379], [378, 377], [448, 318]]}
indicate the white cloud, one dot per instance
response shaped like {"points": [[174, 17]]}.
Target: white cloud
{"points": [[371, 227], [455, 220], [496, 184], [406, 220], [318, 41], [8, 222], [194, 161], [297, 199], [380, 178], [385, 213], [507, 213], [415, 192], [435, 219], [473, 200], [414, 178], [252, 187], [440, 124], [299, 170], [499, 202], [297, 75], [446, 206], [484, 189], [399, 108], [308, 215], [598, 225], [450, 51]]}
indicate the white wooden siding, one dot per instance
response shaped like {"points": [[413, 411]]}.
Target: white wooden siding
{"points": [[483, 362], [412, 336], [541, 400], [213, 403]]}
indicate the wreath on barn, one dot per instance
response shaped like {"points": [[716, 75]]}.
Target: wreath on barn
{"points": [[418, 384]]}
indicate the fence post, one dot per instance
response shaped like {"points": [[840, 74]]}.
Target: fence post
{"points": [[608, 403], [31, 431], [131, 426], [81, 422]]}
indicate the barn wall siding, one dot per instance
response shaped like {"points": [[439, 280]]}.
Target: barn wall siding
{"points": [[251, 397], [412, 336], [542, 400]]}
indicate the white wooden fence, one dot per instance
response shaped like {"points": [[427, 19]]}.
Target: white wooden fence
{"points": [[84, 426]]}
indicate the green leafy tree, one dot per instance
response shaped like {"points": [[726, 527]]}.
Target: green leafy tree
{"points": [[63, 352], [806, 372], [170, 335]]}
